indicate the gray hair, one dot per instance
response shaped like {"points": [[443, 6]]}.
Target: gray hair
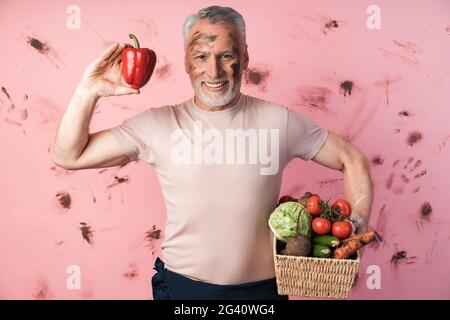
{"points": [[216, 14]]}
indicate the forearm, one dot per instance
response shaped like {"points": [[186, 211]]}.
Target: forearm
{"points": [[359, 190], [73, 132]]}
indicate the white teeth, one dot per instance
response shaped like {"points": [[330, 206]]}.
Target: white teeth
{"points": [[215, 85]]}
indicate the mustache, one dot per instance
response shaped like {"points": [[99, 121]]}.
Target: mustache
{"points": [[213, 80]]}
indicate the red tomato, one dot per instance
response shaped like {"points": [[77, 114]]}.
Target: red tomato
{"points": [[321, 225], [313, 205], [344, 207], [341, 229]]}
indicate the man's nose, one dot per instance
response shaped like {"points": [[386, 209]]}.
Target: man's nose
{"points": [[214, 68]]}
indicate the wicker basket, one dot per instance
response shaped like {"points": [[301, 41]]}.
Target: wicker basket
{"points": [[314, 277]]}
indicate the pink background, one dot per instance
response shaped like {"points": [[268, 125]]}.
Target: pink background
{"points": [[400, 77]]}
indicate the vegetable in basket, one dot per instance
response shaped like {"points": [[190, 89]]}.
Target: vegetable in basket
{"points": [[326, 240], [314, 205], [283, 221], [321, 225], [298, 246], [352, 245], [366, 237], [341, 229], [320, 251], [342, 207]]}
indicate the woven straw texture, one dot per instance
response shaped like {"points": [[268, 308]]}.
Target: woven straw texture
{"points": [[314, 277]]}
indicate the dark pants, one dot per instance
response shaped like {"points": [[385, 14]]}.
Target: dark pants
{"points": [[168, 285]]}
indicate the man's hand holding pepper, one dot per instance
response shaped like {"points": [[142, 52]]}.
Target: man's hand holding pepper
{"points": [[103, 77]]}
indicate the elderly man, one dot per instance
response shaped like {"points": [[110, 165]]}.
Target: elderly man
{"points": [[219, 158]]}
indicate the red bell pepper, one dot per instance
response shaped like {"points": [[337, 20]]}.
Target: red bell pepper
{"points": [[137, 64]]}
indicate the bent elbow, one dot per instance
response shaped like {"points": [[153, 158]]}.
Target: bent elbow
{"points": [[62, 164], [355, 159]]}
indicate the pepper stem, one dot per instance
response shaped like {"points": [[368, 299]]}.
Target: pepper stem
{"points": [[136, 42]]}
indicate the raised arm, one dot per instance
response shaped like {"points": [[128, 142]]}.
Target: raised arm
{"points": [[76, 148]]}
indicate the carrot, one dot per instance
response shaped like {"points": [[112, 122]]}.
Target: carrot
{"points": [[347, 249], [351, 245], [366, 237]]}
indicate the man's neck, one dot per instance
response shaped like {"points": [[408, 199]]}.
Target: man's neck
{"points": [[206, 108]]}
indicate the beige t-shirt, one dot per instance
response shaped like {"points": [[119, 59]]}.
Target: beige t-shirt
{"points": [[220, 174]]}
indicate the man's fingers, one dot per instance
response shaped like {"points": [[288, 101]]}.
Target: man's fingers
{"points": [[118, 51], [108, 52], [118, 60], [119, 91]]}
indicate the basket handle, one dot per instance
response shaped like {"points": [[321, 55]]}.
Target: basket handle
{"points": [[298, 222]]}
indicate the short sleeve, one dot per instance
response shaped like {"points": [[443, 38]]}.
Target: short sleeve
{"points": [[135, 136], [305, 138]]}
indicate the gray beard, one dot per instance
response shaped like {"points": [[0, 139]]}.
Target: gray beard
{"points": [[217, 100]]}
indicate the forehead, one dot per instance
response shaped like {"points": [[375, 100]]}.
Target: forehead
{"points": [[203, 32]]}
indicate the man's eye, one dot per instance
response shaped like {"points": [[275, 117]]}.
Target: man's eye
{"points": [[227, 56], [200, 57]]}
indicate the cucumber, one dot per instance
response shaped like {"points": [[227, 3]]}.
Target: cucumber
{"points": [[320, 251], [326, 240]]}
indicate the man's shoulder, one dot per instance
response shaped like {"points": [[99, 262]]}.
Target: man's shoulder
{"points": [[166, 110], [265, 106]]}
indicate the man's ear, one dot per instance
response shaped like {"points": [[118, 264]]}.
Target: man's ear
{"points": [[246, 58], [186, 64]]}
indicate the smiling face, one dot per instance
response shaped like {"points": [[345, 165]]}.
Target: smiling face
{"points": [[215, 60]]}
